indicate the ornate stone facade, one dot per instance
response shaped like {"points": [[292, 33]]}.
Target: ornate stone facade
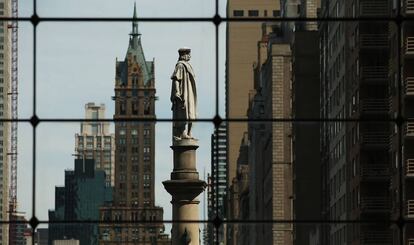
{"points": [[134, 199]]}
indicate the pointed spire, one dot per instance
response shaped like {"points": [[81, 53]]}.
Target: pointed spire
{"points": [[135, 31], [135, 10]]}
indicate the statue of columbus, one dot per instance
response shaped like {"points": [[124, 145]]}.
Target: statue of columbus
{"points": [[183, 96]]}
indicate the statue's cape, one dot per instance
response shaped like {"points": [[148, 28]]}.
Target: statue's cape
{"points": [[188, 89], [188, 67]]}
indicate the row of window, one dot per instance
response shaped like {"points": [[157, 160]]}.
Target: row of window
{"points": [[134, 108], [135, 150], [134, 140], [255, 13], [338, 150], [337, 181], [89, 155], [146, 177], [338, 209], [91, 146], [339, 236], [134, 159]]}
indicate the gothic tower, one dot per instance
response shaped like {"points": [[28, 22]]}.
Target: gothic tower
{"points": [[135, 152]]}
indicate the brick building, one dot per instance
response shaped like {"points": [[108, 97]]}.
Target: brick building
{"points": [[134, 198]]}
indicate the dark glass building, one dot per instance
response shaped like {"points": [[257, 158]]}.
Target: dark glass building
{"points": [[84, 193]]}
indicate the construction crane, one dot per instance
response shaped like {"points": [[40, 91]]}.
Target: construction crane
{"points": [[13, 26]]}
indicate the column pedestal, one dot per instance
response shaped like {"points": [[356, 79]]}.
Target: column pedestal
{"points": [[184, 188]]}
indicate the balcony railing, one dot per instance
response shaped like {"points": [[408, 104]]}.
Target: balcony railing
{"points": [[409, 46], [410, 168], [409, 86], [410, 208], [377, 237], [374, 73], [374, 171], [373, 41], [409, 6], [375, 139], [409, 129], [374, 204], [371, 8], [374, 106]]}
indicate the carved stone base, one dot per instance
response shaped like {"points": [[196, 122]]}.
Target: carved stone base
{"points": [[184, 188]]}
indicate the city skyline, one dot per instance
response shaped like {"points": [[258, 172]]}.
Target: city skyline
{"points": [[357, 165], [57, 157]]}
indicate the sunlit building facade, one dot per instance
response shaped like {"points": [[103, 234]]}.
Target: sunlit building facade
{"points": [[5, 87], [94, 141]]}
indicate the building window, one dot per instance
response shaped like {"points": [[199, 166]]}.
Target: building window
{"points": [[253, 13], [134, 107], [98, 142], [146, 132], [147, 106], [89, 142], [122, 141], [238, 13], [134, 80], [122, 108], [276, 13]]}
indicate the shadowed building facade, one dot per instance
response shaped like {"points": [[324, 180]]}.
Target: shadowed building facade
{"points": [[79, 199], [242, 38], [134, 198], [355, 155], [270, 153], [402, 161]]}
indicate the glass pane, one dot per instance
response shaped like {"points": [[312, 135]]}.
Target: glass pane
{"points": [[312, 171], [308, 233], [281, 70], [113, 8], [81, 60], [121, 167]]}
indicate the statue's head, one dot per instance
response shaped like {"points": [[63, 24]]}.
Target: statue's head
{"points": [[185, 54]]}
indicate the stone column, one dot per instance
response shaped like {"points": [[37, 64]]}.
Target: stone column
{"points": [[184, 188]]}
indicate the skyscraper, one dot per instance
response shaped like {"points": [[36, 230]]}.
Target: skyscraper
{"points": [[242, 38], [85, 190], [355, 155], [18, 231], [5, 82], [270, 162], [94, 141], [134, 198], [306, 164], [218, 184], [406, 78]]}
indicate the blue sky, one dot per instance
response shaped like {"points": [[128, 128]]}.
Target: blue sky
{"points": [[76, 65]]}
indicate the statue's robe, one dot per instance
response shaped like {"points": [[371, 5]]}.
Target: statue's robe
{"points": [[184, 74]]}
